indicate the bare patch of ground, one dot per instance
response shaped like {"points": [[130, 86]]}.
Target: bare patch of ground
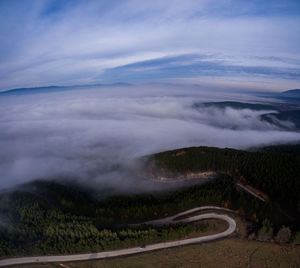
{"points": [[232, 252]]}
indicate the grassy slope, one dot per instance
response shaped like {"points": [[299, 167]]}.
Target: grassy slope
{"points": [[225, 253]]}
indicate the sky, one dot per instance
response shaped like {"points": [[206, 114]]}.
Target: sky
{"points": [[228, 43]]}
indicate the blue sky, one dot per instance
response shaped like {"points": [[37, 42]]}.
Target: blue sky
{"points": [[236, 43]]}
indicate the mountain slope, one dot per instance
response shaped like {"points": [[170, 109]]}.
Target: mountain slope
{"points": [[277, 174]]}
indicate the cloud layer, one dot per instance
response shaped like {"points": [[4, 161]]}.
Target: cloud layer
{"points": [[71, 42], [88, 133]]}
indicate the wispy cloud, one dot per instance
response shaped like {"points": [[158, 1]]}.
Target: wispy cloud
{"points": [[195, 66], [67, 42]]}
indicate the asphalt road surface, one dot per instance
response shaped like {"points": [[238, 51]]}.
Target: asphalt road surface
{"points": [[115, 253]]}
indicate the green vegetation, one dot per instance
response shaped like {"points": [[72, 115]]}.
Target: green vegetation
{"points": [[291, 149], [73, 235], [265, 232], [55, 218], [277, 174], [48, 217]]}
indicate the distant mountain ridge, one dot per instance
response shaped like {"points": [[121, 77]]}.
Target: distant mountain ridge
{"points": [[291, 91], [290, 94], [236, 105], [283, 117], [57, 88]]}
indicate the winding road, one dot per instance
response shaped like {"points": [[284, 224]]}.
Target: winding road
{"points": [[115, 253]]}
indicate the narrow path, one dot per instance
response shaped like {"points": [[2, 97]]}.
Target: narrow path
{"points": [[115, 253], [250, 192]]}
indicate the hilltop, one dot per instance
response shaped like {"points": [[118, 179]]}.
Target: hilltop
{"points": [[55, 88], [291, 92], [276, 173]]}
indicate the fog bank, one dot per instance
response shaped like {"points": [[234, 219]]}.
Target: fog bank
{"points": [[89, 133]]}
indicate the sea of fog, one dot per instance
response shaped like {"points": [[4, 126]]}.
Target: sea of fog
{"points": [[85, 133]]}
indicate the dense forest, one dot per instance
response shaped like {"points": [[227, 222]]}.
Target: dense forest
{"points": [[274, 170], [291, 149], [56, 217], [52, 217]]}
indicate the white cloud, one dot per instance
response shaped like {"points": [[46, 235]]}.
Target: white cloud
{"points": [[79, 42], [85, 133]]}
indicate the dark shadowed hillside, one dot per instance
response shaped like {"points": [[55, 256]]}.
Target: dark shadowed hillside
{"points": [[291, 93], [277, 174], [292, 116], [236, 105]]}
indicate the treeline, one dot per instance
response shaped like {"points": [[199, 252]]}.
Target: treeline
{"points": [[72, 235], [277, 174], [291, 149], [46, 221]]}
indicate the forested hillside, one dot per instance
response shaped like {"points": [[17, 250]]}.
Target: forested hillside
{"points": [[50, 217], [276, 173], [66, 218]]}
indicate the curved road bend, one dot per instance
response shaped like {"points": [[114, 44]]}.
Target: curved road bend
{"points": [[115, 253], [172, 219]]}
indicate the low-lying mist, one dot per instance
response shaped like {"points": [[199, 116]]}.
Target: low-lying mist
{"points": [[89, 134]]}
